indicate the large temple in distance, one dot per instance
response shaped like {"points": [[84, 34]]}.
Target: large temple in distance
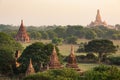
{"points": [[98, 22], [22, 35]]}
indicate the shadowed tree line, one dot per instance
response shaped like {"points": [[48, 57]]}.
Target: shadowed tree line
{"points": [[69, 33]]}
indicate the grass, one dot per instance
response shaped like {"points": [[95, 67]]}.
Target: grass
{"points": [[65, 48]]}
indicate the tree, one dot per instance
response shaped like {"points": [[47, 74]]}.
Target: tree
{"points": [[101, 47], [8, 46], [103, 72], [57, 41], [39, 53], [71, 40], [35, 35], [90, 34]]}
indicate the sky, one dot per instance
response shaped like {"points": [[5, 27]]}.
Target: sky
{"points": [[58, 12]]}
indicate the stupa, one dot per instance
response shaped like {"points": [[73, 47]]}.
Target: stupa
{"points": [[72, 62], [98, 21], [54, 61], [22, 35], [30, 69]]}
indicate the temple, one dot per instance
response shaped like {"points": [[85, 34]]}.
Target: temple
{"points": [[54, 61], [72, 62], [30, 69], [22, 35], [72, 59], [98, 21]]}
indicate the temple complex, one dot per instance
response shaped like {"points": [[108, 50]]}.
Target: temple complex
{"points": [[72, 62], [22, 35], [98, 21], [30, 69], [54, 61]]}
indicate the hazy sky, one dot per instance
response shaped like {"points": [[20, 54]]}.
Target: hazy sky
{"points": [[59, 12]]}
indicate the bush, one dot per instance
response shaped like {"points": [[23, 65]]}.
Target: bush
{"points": [[114, 60], [58, 74], [103, 72]]}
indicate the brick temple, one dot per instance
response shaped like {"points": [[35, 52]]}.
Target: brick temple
{"points": [[22, 35], [54, 61], [72, 61]]}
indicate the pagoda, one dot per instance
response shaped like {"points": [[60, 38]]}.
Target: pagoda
{"points": [[98, 21], [54, 61], [30, 69], [22, 35], [17, 55], [72, 62]]}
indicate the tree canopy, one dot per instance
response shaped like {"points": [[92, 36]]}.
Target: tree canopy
{"points": [[8, 46], [101, 47], [39, 53]]}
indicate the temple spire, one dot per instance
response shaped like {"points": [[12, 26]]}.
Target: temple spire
{"points": [[72, 49], [30, 69], [98, 17], [21, 23]]}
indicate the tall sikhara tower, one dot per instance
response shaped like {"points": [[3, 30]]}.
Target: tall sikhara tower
{"points": [[22, 35], [98, 21]]}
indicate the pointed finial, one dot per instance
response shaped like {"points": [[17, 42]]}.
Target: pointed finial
{"points": [[98, 11], [72, 49], [21, 21], [98, 17], [54, 50], [30, 62]]}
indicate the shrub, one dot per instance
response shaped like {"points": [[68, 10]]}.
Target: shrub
{"points": [[114, 60], [58, 74]]}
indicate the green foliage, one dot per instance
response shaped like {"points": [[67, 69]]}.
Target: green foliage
{"points": [[58, 74], [81, 47], [90, 34], [39, 53], [35, 35], [103, 73], [8, 46], [57, 41], [114, 60], [71, 40], [50, 32], [101, 47]]}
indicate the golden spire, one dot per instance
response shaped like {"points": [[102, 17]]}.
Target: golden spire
{"points": [[98, 17]]}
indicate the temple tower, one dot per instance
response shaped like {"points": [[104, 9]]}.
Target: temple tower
{"points": [[72, 59], [22, 34], [98, 21], [54, 61], [30, 69]]}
